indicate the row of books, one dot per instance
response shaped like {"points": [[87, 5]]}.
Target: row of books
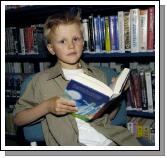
{"points": [[142, 128], [15, 75], [13, 85], [24, 41], [26, 67], [131, 30], [141, 93], [8, 7]]}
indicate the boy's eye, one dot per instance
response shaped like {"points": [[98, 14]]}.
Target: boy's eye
{"points": [[77, 39], [62, 41]]}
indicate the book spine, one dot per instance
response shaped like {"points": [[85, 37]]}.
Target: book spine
{"points": [[121, 31], [153, 88], [131, 94], [28, 39], [140, 127], [16, 40], [11, 42], [100, 31], [134, 21], [6, 41], [35, 41], [127, 35], [97, 39], [152, 133], [91, 33], [107, 35], [85, 34], [137, 88], [151, 29], [111, 27], [143, 30], [146, 129], [22, 43], [40, 40], [149, 91], [130, 125], [116, 38], [103, 32], [143, 91]]}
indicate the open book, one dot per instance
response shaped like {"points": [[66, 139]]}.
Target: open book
{"points": [[92, 96]]}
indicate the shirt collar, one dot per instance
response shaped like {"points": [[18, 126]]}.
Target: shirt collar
{"points": [[57, 71]]}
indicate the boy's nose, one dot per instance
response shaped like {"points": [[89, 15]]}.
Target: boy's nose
{"points": [[70, 45]]}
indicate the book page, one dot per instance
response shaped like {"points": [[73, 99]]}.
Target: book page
{"points": [[94, 83], [121, 81]]}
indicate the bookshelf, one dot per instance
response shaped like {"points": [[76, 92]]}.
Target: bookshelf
{"points": [[31, 15]]}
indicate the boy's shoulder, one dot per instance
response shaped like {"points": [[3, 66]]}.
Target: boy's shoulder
{"points": [[43, 75], [98, 73]]}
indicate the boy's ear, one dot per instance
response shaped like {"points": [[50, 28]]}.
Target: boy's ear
{"points": [[50, 49]]}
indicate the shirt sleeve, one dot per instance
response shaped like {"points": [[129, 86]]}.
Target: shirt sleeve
{"points": [[30, 97]]}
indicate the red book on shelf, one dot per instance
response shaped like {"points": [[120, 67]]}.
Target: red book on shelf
{"points": [[151, 29], [137, 88]]}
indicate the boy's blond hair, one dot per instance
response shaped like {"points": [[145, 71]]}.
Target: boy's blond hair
{"points": [[55, 20]]}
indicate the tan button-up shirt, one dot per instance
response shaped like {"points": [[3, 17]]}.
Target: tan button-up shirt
{"points": [[62, 130], [45, 85]]}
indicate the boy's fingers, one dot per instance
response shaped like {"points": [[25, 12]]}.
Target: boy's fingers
{"points": [[66, 107], [67, 102], [114, 79]]}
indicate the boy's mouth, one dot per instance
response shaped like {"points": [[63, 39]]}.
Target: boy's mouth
{"points": [[72, 53]]}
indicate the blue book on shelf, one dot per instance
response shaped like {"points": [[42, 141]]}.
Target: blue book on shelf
{"points": [[97, 35], [93, 97], [114, 32], [102, 21]]}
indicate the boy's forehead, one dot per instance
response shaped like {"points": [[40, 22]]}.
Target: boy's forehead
{"points": [[66, 27]]}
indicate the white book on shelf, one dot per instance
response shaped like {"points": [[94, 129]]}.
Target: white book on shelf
{"points": [[85, 34], [149, 91], [134, 25], [121, 31], [22, 43], [143, 29]]}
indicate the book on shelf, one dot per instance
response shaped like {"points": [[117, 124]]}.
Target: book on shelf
{"points": [[141, 94], [107, 35], [134, 26], [151, 29], [127, 31], [85, 34], [149, 91], [92, 96], [143, 29], [113, 26], [121, 31]]}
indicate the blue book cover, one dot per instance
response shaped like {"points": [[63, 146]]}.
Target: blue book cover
{"points": [[102, 20], [88, 100], [97, 36], [93, 97], [114, 32]]}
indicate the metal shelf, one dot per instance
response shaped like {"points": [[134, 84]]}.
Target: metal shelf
{"points": [[86, 56], [140, 114]]}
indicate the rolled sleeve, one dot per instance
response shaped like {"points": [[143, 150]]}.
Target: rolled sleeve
{"points": [[30, 98]]}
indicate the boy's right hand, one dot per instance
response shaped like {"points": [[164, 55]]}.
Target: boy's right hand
{"points": [[60, 106]]}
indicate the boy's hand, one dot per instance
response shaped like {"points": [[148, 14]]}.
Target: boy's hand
{"points": [[60, 106]]}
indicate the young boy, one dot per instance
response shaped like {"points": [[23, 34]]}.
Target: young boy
{"points": [[43, 99]]}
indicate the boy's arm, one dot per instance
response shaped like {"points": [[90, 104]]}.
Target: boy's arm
{"points": [[55, 105]]}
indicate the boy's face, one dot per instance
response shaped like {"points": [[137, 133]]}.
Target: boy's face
{"points": [[67, 44]]}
